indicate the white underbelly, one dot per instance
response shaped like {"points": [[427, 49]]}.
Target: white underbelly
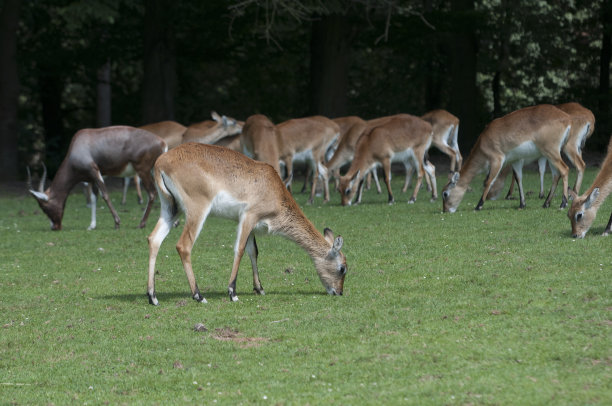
{"points": [[406, 155], [303, 156], [227, 206], [527, 151]]}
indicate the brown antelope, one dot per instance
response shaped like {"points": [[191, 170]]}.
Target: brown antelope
{"points": [[346, 150], [584, 208], [520, 136], [260, 140], [583, 125], [114, 151], [231, 141], [307, 139], [202, 179], [205, 133], [170, 131], [404, 138], [445, 133]]}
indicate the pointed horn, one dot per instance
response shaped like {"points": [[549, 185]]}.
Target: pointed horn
{"points": [[41, 186], [29, 181]]}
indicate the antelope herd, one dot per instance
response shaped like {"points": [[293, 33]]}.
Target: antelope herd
{"points": [[247, 175]]}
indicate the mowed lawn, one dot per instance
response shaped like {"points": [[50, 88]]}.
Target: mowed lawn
{"points": [[498, 307]]}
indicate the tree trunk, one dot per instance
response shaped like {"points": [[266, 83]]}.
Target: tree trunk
{"points": [[159, 82], [9, 91], [329, 62], [463, 93], [104, 105], [604, 118]]}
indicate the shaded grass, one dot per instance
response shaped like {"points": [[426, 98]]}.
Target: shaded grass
{"points": [[500, 306]]}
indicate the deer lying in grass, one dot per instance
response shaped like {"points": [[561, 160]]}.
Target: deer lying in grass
{"points": [[115, 151], [200, 179]]}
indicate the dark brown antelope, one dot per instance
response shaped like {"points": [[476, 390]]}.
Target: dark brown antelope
{"points": [[115, 151], [200, 179]]}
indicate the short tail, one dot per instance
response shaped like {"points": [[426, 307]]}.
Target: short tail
{"points": [[169, 206]]}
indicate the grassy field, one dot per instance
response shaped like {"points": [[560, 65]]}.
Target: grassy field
{"points": [[498, 307]]}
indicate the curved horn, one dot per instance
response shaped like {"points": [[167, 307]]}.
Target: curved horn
{"points": [[41, 186]]}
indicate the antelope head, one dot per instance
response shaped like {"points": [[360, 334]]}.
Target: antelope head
{"points": [[49, 206], [348, 187], [230, 125], [452, 195], [331, 267], [582, 212]]}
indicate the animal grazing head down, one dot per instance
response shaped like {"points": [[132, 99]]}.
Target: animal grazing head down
{"points": [[582, 213], [348, 188], [230, 125], [450, 196], [332, 266]]}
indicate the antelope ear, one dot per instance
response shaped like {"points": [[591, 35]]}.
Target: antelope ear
{"points": [[591, 199], [329, 235], [338, 242], [455, 178], [39, 195], [215, 116]]}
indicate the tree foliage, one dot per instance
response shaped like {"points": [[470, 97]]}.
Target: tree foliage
{"points": [[254, 56]]}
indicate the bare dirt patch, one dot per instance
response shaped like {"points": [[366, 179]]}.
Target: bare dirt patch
{"points": [[230, 334]]}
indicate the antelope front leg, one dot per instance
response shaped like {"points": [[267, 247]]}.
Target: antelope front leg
{"points": [[496, 167], [92, 201], [245, 226], [386, 164]]}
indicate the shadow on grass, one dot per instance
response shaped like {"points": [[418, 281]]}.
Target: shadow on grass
{"points": [[169, 296]]}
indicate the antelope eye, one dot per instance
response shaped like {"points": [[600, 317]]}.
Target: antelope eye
{"points": [[342, 269], [445, 195], [347, 191], [579, 216]]}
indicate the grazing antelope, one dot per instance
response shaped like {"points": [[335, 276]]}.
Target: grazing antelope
{"points": [[115, 151], [404, 138], [260, 140], [207, 132], [583, 125], [351, 128], [445, 133], [170, 131], [231, 141], [307, 139], [584, 208], [206, 179], [520, 136]]}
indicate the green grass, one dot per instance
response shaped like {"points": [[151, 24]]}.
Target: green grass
{"points": [[496, 307]]}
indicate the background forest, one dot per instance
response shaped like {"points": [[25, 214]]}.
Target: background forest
{"points": [[67, 65]]}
